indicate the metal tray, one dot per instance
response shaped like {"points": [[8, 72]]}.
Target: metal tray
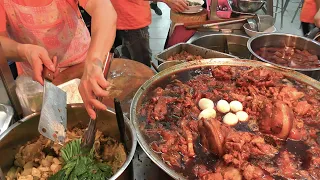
{"points": [[192, 49], [187, 69], [5, 120], [236, 44]]}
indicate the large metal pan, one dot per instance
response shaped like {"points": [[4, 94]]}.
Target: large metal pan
{"points": [[282, 40], [186, 71], [237, 44], [27, 129]]}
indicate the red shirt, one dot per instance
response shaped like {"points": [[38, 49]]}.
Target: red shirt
{"points": [[33, 3], [308, 11], [132, 14]]}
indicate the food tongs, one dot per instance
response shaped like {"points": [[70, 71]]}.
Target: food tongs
{"points": [[89, 135]]}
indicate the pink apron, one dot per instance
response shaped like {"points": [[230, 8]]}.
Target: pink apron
{"points": [[57, 27]]}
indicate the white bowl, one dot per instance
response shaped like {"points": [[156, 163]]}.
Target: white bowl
{"points": [[252, 33], [194, 9]]}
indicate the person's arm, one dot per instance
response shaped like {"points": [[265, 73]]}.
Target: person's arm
{"points": [[37, 56], [317, 16], [318, 4], [103, 31]]}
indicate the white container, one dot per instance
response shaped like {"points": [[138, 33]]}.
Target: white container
{"points": [[194, 9], [71, 88], [6, 114], [252, 33]]}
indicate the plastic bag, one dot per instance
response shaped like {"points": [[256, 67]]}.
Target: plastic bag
{"points": [[29, 93]]}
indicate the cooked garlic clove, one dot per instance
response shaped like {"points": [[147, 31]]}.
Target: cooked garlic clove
{"points": [[207, 114], [236, 106], [242, 116], [230, 119], [223, 106], [205, 103]]}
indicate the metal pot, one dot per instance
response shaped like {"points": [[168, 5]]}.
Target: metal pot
{"points": [[27, 129], [283, 40], [237, 44], [246, 6], [186, 71]]}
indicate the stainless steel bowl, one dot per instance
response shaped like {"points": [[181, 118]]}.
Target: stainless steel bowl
{"points": [[188, 70], [237, 44], [246, 6], [27, 129], [283, 40]]}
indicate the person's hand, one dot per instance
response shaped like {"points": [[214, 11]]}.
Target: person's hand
{"points": [[317, 19], [92, 85], [177, 5], [37, 56]]}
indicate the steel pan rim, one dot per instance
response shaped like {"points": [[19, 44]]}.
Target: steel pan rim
{"points": [[192, 65], [275, 64], [127, 123]]}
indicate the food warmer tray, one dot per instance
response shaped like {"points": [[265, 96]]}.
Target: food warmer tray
{"points": [[164, 77], [192, 49]]}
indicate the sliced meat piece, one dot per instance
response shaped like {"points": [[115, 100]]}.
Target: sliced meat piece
{"points": [[302, 108]]}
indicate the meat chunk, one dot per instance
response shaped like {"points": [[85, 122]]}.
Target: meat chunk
{"points": [[277, 119], [287, 164], [302, 108], [212, 135]]}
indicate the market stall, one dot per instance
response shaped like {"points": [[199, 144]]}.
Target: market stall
{"points": [[223, 105]]}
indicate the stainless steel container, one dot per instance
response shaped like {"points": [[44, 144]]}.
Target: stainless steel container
{"points": [[6, 114], [188, 70], [237, 44], [286, 40], [192, 49], [27, 129], [246, 6]]}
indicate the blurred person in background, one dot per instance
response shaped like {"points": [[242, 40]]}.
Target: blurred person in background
{"points": [[308, 13], [38, 33], [134, 18], [317, 16]]}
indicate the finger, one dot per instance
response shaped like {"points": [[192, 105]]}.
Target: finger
{"points": [[184, 4], [97, 90], [55, 61], [90, 111], [103, 83], [44, 56], [180, 8], [97, 104], [86, 102], [37, 70]]}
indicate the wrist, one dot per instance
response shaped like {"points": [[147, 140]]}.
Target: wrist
{"points": [[21, 50]]}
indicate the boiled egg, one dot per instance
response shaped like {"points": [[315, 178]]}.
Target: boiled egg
{"points": [[223, 106], [230, 119], [205, 103], [236, 106], [242, 116], [207, 114]]}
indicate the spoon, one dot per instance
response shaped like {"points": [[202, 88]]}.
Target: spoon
{"points": [[253, 24]]}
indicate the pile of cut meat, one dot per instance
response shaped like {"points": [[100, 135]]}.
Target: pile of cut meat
{"points": [[41, 159], [280, 140], [290, 57], [184, 55]]}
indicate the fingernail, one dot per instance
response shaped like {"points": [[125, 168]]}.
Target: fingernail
{"points": [[52, 67]]}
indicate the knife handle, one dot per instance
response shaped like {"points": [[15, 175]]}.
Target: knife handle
{"points": [[47, 74]]}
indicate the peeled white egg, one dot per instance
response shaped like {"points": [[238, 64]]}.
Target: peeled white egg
{"points": [[207, 114], [205, 103], [242, 116], [236, 106], [230, 119], [223, 106]]}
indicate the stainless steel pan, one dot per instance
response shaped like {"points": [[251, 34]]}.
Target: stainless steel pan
{"points": [[186, 71], [26, 130]]}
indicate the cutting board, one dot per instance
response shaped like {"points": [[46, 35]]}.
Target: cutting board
{"points": [[188, 18]]}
